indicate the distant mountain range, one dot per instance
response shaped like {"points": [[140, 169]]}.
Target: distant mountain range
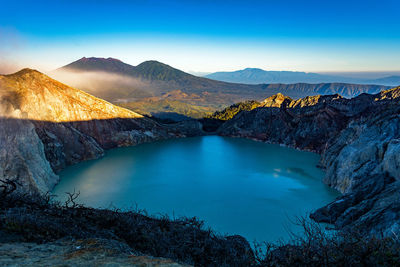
{"points": [[119, 82], [258, 76], [389, 80]]}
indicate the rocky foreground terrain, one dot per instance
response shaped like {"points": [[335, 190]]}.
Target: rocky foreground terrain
{"points": [[86, 252], [358, 140]]}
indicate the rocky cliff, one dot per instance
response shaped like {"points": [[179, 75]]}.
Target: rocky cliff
{"points": [[46, 125], [359, 143]]}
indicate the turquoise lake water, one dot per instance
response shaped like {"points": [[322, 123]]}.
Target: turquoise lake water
{"points": [[236, 186]]}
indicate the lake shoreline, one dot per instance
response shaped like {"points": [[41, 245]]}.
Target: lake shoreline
{"points": [[201, 173]]}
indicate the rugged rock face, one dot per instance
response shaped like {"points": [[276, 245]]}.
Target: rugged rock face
{"points": [[22, 156], [359, 143], [302, 123], [46, 125]]}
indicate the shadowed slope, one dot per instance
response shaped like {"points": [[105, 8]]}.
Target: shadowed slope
{"points": [[46, 125]]}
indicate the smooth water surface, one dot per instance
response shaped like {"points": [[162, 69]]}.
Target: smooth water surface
{"points": [[236, 186]]}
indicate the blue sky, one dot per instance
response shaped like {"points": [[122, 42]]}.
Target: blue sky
{"points": [[205, 35]]}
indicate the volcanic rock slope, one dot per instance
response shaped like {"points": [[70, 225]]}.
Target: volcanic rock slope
{"points": [[359, 143], [46, 125]]}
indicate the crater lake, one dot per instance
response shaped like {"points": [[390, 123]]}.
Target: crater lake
{"points": [[236, 186]]}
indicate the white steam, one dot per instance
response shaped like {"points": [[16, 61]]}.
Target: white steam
{"points": [[112, 87]]}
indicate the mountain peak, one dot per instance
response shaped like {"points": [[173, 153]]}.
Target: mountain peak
{"points": [[388, 94], [253, 69], [99, 64], [150, 70], [275, 100], [110, 59], [39, 97], [26, 72], [148, 63], [155, 70]]}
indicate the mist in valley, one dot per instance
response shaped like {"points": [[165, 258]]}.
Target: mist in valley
{"points": [[110, 86]]}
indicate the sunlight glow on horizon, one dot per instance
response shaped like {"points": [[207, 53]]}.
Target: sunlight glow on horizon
{"points": [[203, 55], [199, 37]]}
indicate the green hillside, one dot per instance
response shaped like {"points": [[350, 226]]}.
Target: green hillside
{"points": [[229, 112], [160, 107]]}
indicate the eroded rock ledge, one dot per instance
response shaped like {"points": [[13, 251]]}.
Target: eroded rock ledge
{"points": [[359, 143]]}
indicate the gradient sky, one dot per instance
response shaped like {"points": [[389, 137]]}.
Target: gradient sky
{"points": [[206, 36]]}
